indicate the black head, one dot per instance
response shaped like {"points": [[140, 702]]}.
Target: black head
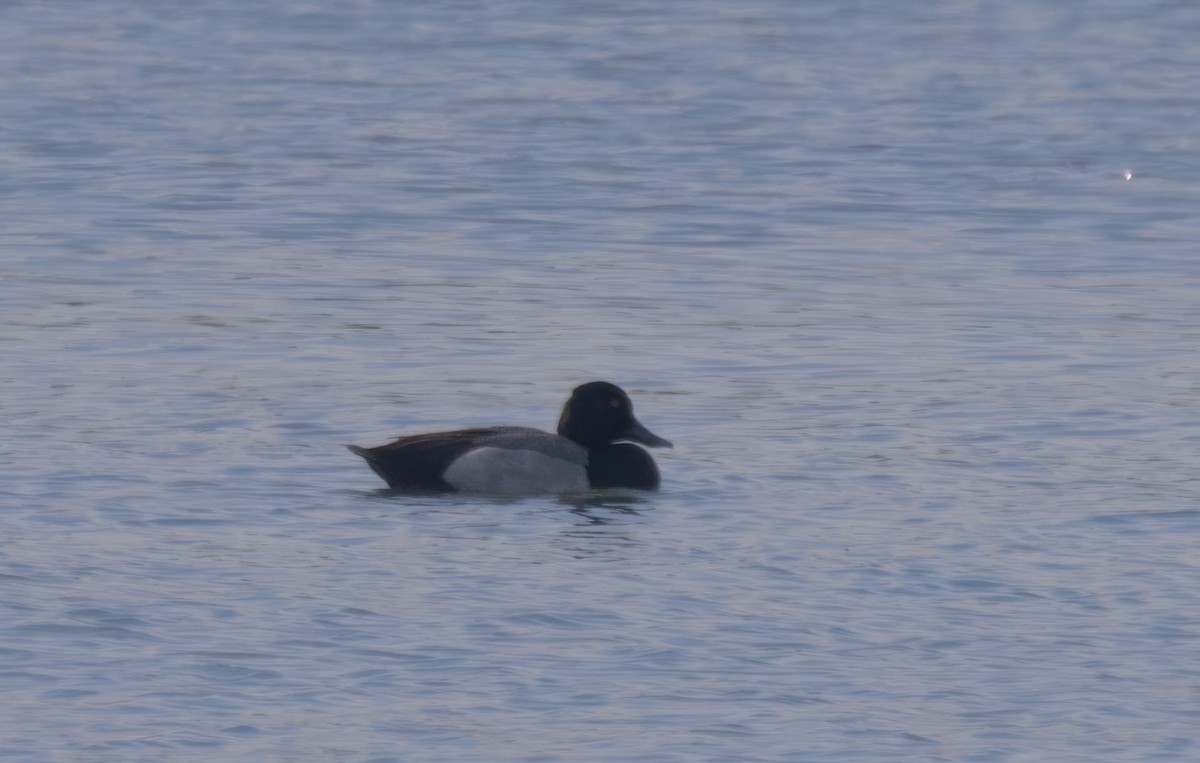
{"points": [[599, 413]]}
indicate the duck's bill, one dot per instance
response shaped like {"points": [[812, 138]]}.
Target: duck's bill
{"points": [[639, 434]]}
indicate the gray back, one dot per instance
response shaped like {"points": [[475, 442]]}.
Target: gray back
{"points": [[527, 438]]}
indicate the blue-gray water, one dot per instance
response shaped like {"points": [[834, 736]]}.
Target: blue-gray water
{"points": [[912, 287]]}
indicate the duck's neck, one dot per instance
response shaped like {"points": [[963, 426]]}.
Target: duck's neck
{"points": [[579, 435]]}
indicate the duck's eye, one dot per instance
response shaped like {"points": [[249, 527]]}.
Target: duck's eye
{"points": [[615, 403]]}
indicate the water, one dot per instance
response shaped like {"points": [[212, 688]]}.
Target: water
{"points": [[912, 289]]}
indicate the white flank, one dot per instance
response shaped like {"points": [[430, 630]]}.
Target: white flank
{"points": [[509, 471]]}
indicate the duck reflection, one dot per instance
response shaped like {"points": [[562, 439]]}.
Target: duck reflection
{"points": [[603, 508]]}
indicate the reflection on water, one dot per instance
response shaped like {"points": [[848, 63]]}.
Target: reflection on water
{"points": [[608, 527], [604, 507]]}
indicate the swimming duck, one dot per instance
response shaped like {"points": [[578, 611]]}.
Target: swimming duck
{"points": [[592, 450]]}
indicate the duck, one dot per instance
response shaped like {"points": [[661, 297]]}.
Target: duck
{"points": [[593, 450]]}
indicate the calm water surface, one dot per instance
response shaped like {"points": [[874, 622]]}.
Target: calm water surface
{"points": [[912, 289]]}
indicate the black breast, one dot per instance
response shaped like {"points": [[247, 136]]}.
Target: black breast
{"points": [[621, 465]]}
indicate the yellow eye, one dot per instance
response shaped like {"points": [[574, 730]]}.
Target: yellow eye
{"points": [[615, 403]]}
